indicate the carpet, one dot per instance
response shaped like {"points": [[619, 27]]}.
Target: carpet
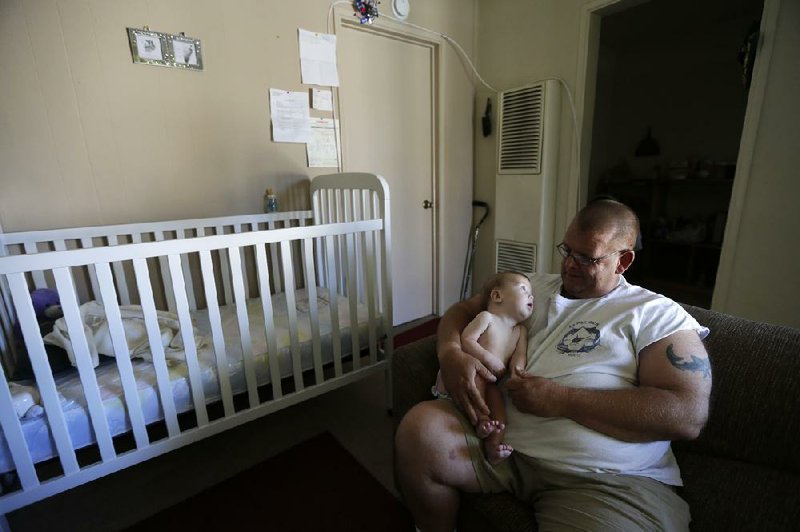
{"points": [[315, 485]]}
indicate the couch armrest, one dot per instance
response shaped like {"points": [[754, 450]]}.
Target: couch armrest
{"points": [[414, 368]]}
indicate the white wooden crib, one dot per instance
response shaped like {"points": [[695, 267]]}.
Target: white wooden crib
{"points": [[266, 311]]}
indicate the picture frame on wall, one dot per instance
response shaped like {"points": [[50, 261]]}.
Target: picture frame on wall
{"points": [[149, 47], [186, 52], [164, 49]]}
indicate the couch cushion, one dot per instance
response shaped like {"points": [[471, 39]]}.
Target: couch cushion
{"points": [[495, 512], [726, 494], [754, 412]]}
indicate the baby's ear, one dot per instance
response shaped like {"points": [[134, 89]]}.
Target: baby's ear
{"points": [[495, 296]]}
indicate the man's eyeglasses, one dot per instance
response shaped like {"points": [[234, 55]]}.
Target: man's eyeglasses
{"points": [[583, 260]]}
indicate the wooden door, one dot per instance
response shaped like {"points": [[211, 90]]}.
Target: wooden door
{"points": [[387, 114]]}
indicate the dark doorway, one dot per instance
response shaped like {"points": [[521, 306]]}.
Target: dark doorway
{"points": [[670, 104]]}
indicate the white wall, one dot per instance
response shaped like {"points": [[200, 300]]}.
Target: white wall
{"points": [[521, 42], [758, 276], [88, 138]]}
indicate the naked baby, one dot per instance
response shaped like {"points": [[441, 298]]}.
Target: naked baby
{"points": [[499, 340]]}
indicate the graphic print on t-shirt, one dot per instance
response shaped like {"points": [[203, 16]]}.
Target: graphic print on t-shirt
{"points": [[582, 337]]}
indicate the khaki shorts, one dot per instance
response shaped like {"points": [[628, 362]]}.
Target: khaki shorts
{"points": [[566, 500]]}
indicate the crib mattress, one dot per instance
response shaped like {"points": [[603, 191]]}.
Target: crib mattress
{"points": [[36, 429]]}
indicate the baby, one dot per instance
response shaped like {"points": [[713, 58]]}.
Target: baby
{"points": [[496, 337]]}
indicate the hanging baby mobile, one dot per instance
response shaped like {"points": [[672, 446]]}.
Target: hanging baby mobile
{"points": [[366, 10]]}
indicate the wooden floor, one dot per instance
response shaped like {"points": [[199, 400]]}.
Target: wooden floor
{"points": [[356, 415]]}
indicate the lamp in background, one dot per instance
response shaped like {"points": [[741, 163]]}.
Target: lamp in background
{"points": [[648, 146]]}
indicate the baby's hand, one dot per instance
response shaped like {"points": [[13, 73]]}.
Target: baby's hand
{"points": [[497, 368]]}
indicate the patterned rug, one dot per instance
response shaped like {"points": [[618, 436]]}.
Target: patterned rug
{"points": [[315, 485]]}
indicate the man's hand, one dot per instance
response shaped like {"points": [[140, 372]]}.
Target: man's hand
{"points": [[534, 395], [460, 373]]}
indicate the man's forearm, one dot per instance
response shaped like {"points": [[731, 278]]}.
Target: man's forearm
{"points": [[637, 414], [448, 333]]}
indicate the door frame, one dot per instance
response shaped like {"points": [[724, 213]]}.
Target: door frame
{"points": [[578, 184], [405, 33]]}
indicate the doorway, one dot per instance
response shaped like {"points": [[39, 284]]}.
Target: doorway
{"points": [[668, 115], [387, 96]]}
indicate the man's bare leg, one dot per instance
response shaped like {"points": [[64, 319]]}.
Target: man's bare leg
{"points": [[432, 464]]}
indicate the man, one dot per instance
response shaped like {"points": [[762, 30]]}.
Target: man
{"points": [[613, 374]]}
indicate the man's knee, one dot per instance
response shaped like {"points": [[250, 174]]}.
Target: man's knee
{"points": [[430, 444], [414, 434]]}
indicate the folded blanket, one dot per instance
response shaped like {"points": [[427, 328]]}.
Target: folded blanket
{"points": [[23, 397], [98, 336]]}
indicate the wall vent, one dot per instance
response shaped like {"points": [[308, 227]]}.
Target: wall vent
{"points": [[520, 137], [515, 256]]}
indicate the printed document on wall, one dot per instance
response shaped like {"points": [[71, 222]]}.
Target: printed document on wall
{"points": [[290, 115], [321, 99], [323, 148], [318, 58]]}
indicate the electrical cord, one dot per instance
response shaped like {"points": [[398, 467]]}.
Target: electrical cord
{"points": [[464, 56]]}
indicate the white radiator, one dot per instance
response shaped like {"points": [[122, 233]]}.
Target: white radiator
{"points": [[527, 161]]}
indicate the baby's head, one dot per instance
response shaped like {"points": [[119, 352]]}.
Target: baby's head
{"points": [[509, 293]]}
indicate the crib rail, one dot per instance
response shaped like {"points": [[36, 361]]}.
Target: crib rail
{"points": [[355, 196], [343, 254]]}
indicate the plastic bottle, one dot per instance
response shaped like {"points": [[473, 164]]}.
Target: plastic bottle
{"points": [[270, 201]]}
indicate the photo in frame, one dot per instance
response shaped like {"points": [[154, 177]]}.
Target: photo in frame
{"points": [[164, 49], [149, 47], [186, 52]]}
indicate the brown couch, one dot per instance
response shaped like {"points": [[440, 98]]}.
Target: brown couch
{"points": [[742, 473]]}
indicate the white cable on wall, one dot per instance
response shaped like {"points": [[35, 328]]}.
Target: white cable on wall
{"points": [[460, 50]]}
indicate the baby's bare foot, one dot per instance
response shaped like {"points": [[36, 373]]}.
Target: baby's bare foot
{"points": [[487, 426], [496, 452]]}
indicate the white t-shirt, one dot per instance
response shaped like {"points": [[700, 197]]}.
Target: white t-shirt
{"points": [[594, 343]]}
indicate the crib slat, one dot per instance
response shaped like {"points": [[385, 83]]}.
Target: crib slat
{"points": [[117, 332], [226, 271], [87, 243], [163, 264], [59, 245], [156, 347], [244, 325], [15, 439], [187, 334], [333, 299], [242, 261], [369, 261], [221, 354], [187, 272], [119, 274], [41, 368], [269, 323], [313, 308], [291, 310], [83, 360], [352, 295], [38, 276], [277, 279], [6, 320]]}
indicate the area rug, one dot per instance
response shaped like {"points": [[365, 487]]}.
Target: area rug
{"points": [[315, 485]]}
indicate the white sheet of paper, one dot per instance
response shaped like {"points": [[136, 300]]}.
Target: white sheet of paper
{"points": [[322, 149], [322, 99], [318, 58], [289, 113]]}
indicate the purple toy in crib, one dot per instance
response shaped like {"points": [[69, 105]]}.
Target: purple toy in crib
{"points": [[46, 304]]}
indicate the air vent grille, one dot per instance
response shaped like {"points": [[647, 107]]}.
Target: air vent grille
{"points": [[516, 256], [520, 150]]}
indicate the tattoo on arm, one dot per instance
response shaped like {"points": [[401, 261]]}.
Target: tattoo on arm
{"points": [[694, 364]]}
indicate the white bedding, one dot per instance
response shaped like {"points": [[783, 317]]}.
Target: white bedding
{"points": [[36, 429]]}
